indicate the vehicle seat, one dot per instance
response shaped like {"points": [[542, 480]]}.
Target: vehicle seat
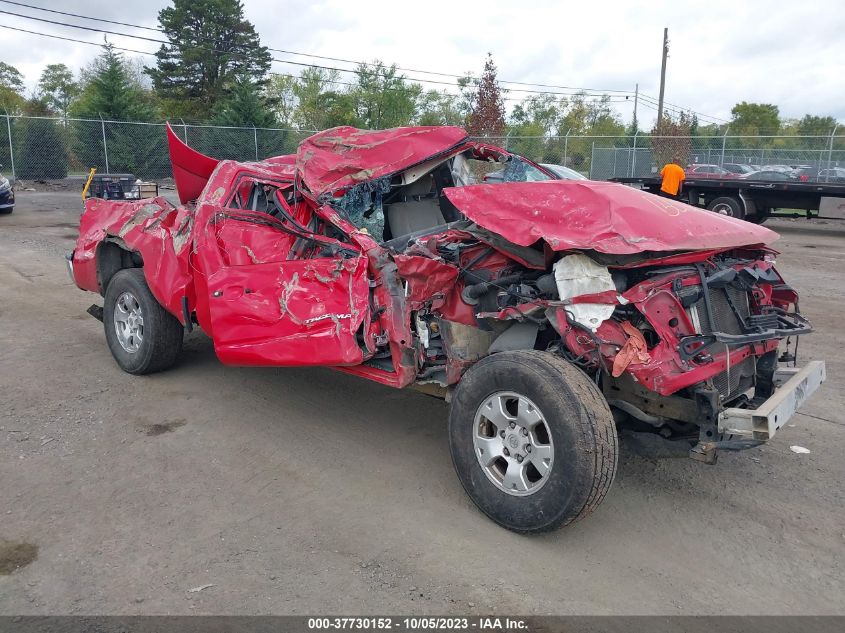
{"points": [[419, 210], [409, 217]]}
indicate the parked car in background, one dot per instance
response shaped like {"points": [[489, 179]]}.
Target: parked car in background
{"points": [[807, 173], [786, 169], [737, 168], [767, 174], [708, 171], [834, 174], [7, 196], [564, 173]]}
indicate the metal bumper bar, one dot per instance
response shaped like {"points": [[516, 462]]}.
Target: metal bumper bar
{"points": [[762, 423]]}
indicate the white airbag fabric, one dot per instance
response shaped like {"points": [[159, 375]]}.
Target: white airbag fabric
{"points": [[578, 275]]}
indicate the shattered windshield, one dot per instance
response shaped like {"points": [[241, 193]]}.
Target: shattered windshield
{"points": [[362, 205], [407, 202]]}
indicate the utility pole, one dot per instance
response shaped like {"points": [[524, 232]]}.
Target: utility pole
{"points": [[636, 100], [663, 75]]}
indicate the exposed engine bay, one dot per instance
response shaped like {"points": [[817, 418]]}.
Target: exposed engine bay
{"points": [[671, 343]]}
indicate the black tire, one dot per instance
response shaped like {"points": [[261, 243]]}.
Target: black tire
{"points": [[727, 205], [761, 216], [162, 333], [581, 427]]}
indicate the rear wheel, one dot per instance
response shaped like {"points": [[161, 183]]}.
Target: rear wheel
{"points": [[532, 440], [727, 206], [142, 336], [761, 216]]}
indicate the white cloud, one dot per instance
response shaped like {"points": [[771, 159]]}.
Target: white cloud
{"points": [[721, 52]]}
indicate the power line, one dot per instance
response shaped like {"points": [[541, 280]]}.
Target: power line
{"points": [[577, 90], [133, 50], [676, 108], [618, 98], [289, 52], [609, 100], [238, 53]]}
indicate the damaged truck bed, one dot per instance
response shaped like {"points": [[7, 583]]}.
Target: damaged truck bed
{"points": [[548, 313]]}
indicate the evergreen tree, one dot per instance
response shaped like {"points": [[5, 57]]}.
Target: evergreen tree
{"points": [[245, 106], [42, 150], [488, 114], [111, 92], [210, 46]]}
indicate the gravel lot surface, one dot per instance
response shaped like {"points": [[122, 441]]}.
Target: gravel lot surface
{"points": [[294, 491]]}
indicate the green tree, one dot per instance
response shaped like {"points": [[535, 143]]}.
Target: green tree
{"points": [[58, 88], [281, 98], [42, 150], [382, 98], [11, 88], [755, 119], [210, 46], [810, 125], [245, 106], [111, 92], [532, 123], [542, 112], [319, 104], [488, 114], [446, 108], [586, 116]]}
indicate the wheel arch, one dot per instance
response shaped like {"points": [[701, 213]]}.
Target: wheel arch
{"points": [[113, 255]]}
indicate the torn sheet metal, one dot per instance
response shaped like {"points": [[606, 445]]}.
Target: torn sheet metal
{"points": [[297, 295], [601, 216], [426, 279], [345, 156], [155, 229]]}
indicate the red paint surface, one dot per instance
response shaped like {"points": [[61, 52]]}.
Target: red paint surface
{"points": [[291, 313], [191, 169], [267, 297], [154, 228], [601, 216], [344, 156]]}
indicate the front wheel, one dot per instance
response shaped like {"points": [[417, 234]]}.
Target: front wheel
{"points": [[532, 440], [143, 337]]}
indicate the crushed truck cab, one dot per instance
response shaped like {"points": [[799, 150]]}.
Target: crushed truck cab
{"points": [[549, 313]]}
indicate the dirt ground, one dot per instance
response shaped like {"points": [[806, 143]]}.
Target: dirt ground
{"points": [[294, 491]]}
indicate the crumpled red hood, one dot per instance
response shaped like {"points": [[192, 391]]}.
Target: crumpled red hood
{"points": [[345, 156], [602, 216]]}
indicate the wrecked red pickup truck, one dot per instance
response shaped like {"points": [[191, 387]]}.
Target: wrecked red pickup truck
{"points": [[546, 312]]}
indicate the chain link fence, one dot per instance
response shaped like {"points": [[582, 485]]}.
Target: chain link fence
{"points": [[39, 148], [642, 155], [36, 148]]}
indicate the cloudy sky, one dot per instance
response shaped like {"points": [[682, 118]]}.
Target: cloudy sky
{"points": [[775, 51]]}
